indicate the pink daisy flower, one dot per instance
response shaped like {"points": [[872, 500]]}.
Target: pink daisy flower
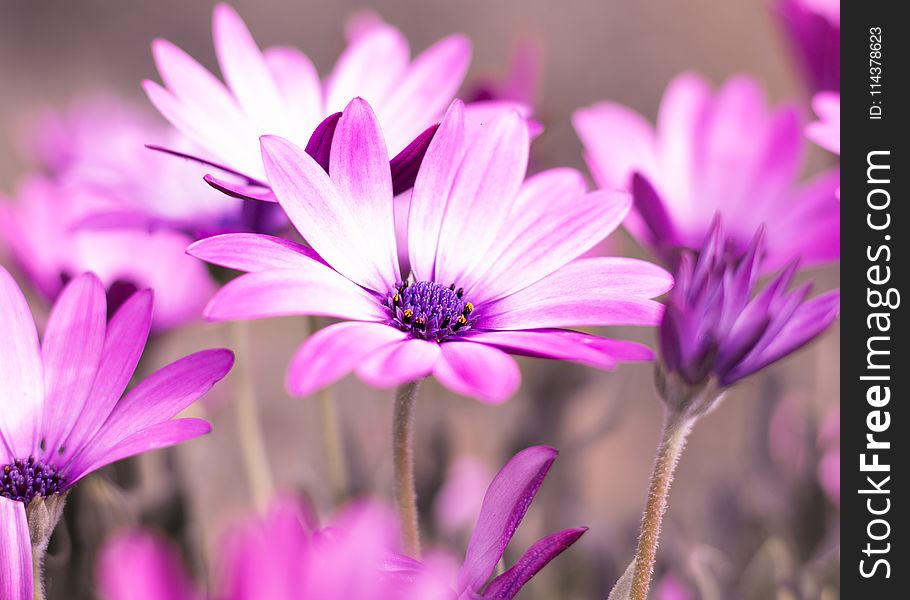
{"points": [[493, 260], [61, 412], [720, 152]]}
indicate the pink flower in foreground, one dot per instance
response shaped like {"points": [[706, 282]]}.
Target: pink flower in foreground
{"points": [[826, 131], [278, 91], [100, 145], [43, 235], [140, 565], [61, 412], [492, 258], [711, 153]]}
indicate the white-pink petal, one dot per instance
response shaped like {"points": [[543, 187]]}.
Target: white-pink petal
{"points": [[477, 370]]}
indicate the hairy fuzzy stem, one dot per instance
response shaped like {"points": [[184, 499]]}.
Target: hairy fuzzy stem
{"points": [[333, 446], [673, 439], [42, 515], [249, 425], [403, 456]]}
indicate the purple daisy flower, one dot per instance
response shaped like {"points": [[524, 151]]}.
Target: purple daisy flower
{"points": [[61, 415], [493, 259], [694, 165], [717, 326]]}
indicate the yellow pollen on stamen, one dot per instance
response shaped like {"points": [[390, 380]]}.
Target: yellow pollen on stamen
{"points": [[469, 308], [408, 313], [461, 320]]}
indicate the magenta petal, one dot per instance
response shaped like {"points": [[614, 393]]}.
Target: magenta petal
{"points": [[140, 565], [153, 437], [320, 144], [406, 163], [243, 191], [588, 291], [504, 506], [252, 252], [71, 352], [334, 351], [561, 344], [15, 552], [21, 380], [311, 290], [147, 408], [322, 216], [479, 371], [617, 142], [431, 190], [507, 585], [124, 342], [400, 362]]}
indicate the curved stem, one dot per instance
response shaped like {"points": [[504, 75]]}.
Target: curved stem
{"points": [[403, 456], [673, 439], [249, 425]]}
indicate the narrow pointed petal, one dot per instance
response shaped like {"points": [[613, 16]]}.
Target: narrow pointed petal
{"points": [[153, 403], [562, 344], [507, 585], [658, 227], [314, 289], [246, 71], [160, 435], [504, 506], [140, 565], [319, 145], [252, 252], [479, 371], [479, 200], [406, 163], [71, 353], [431, 191], [588, 291], [21, 379], [334, 351], [243, 191], [398, 363], [15, 552], [359, 168], [124, 342], [321, 215]]}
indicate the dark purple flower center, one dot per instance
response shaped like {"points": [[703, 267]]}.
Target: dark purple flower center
{"points": [[23, 480], [430, 311]]}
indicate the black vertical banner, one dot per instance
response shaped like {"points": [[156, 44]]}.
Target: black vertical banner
{"points": [[875, 259]]}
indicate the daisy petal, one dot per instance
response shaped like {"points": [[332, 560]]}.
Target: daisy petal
{"points": [[252, 252], [334, 351], [21, 379], [124, 342], [588, 291], [476, 211], [504, 506], [618, 141], [299, 84], [431, 188], [15, 552], [359, 168], [562, 344], [476, 370], [398, 363], [321, 215], [71, 353], [312, 289], [507, 585]]}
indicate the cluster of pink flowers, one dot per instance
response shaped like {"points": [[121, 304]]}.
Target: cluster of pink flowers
{"points": [[374, 197]]}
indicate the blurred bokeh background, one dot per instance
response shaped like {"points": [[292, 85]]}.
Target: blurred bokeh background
{"points": [[748, 517]]}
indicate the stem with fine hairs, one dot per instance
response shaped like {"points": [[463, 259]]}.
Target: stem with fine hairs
{"points": [[676, 429], [403, 456]]}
